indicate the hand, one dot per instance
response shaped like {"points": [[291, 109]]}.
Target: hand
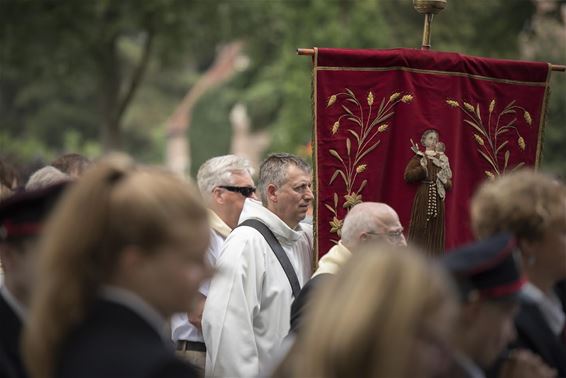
{"points": [[525, 364], [414, 147]]}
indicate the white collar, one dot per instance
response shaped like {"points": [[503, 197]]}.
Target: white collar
{"points": [[255, 210], [18, 308], [549, 306], [136, 304], [218, 225]]}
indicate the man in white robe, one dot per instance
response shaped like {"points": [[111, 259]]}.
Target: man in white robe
{"points": [[247, 312], [224, 182]]}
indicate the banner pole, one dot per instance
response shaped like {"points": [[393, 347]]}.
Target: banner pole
{"points": [[429, 8]]}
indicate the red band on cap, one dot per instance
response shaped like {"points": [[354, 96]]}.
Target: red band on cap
{"points": [[14, 230], [503, 290]]}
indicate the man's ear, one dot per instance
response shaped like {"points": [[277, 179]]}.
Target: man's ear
{"points": [[217, 196], [272, 193]]}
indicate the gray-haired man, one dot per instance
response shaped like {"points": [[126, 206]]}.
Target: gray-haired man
{"points": [[247, 311], [224, 182]]}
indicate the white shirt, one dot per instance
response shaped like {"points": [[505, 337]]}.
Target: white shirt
{"points": [[247, 312], [549, 306], [181, 328]]}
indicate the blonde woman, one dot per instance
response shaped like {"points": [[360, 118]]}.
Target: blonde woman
{"points": [[532, 206], [124, 251], [387, 313]]}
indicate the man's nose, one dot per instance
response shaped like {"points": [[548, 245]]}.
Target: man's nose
{"points": [[309, 194]]}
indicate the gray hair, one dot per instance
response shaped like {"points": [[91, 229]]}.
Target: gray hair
{"points": [[218, 171], [45, 177], [273, 170]]}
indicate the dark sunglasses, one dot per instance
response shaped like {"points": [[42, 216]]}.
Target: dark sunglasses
{"points": [[246, 191]]}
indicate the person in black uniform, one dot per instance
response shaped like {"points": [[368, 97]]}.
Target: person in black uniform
{"points": [[123, 252], [532, 206], [21, 217]]}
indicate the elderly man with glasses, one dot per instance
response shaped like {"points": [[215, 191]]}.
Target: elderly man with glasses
{"points": [[224, 182], [265, 261], [367, 221]]}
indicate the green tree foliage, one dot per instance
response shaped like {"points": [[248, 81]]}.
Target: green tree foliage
{"points": [[81, 75]]}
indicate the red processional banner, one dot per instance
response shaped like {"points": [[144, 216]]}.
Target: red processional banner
{"points": [[419, 130]]}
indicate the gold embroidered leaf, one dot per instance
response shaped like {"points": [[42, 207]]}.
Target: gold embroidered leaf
{"points": [[407, 98], [521, 143], [355, 120], [501, 147], [330, 208], [469, 107], [488, 159], [475, 126], [479, 139], [371, 148], [394, 96], [478, 111], [361, 168], [355, 134], [507, 154], [362, 186], [382, 128], [489, 175], [335, 127], [492, 105], [331, 101], [370, 98], [528, 118], [336, 155], [348, 145], [335, 200], [348, 110], [334, 175], [452, 103], [352, 200], [335, 225]]}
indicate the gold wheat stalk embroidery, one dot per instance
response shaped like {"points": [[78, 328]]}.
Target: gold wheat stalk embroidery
{"points": [[491, 140], [362, 130]]}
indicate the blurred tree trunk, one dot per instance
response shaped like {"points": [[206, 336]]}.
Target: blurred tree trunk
{"points": [[177, 154], [115, 92]]}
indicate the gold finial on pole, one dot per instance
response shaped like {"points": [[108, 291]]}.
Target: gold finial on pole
{"points": [[429, 8]]}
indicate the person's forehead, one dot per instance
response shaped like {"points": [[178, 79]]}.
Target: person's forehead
{"points": [[296, 174], [387, 220]]}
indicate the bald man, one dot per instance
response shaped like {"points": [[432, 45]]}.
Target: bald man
{"points": [[366, 222]]}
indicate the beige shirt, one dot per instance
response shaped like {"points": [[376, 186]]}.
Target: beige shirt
{"points": [[336, 257]]}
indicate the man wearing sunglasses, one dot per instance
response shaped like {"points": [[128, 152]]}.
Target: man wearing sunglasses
{"points": [[247, 312], [224, 182]]}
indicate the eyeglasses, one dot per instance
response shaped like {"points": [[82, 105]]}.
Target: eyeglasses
{"points": [[246, 191], [392, 235]]}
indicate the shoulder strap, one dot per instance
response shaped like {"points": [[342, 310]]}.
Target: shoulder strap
{"points": [[277, 250]]}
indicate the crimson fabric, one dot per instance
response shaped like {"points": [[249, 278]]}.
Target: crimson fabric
{"points": [[370, 104]]}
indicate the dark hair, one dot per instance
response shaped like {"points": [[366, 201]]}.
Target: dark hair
{"points": [[8, 174], [71, 163]]}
